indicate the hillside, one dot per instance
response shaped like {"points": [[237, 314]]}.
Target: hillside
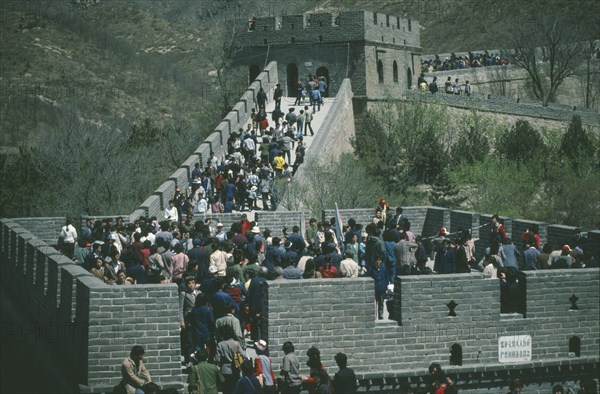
{"points": [[112, 65], [116, 63]]}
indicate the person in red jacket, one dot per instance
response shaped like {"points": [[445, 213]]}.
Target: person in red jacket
{"points": [[497, 232], [264, 366]]}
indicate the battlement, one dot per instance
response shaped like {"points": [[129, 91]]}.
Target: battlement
{"points": [[316, 28]]}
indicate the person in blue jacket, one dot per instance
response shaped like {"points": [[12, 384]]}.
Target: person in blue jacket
{"points": [[378, 272]]}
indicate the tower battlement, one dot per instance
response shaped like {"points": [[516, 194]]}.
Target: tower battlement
{"points": [[327, 27]]}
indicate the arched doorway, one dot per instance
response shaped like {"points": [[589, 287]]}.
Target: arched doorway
{"points": [[408, 78], [253, 72], [380, 71], [395, 71], [292, 79], [324, 72]]}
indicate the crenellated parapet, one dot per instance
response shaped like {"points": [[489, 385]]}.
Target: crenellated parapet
{"points": [[327, 28]]}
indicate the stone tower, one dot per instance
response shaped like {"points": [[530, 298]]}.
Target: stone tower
{"points": [[378, 52]]}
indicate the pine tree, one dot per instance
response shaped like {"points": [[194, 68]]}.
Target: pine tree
{"points": [[444, 193]]}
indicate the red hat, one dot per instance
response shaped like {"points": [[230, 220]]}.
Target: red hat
{"points": [[566, 248], [442, 230]]}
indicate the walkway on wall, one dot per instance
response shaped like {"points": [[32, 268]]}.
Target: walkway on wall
{"points": [[318, 120], [508, 106]]}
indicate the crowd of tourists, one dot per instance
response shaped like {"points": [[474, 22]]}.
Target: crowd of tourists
{"points": [[459, 62], [232, 370], [255, 157], [175, 250]]}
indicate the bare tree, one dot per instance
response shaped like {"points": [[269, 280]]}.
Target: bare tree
{"points": [[225, 43], [549, 50]]}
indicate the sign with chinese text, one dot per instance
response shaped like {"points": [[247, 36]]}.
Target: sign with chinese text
{"points": [[514, 348]]}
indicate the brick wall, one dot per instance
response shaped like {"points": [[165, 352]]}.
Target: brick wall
{"points": [[506, 105], [100, 323], [349, 49], [47, 229], [88, 325], [336, 132], [339, 315], [215, 142], [121, 317], [416, 216], [275, 221], [509, 83], [280, 30]]}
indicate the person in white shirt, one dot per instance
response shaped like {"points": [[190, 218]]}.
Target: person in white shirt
{"points": [[171, 212], [348, 267], [69, 237]]}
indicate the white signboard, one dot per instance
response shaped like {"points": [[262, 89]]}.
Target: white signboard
{"points": [[307, 64], [514, 348]]}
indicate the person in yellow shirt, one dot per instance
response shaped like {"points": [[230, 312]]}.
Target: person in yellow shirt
{"points": [[278, 163]]}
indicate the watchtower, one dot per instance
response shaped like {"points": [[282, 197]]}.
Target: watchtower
{"points": [[378, 52]]}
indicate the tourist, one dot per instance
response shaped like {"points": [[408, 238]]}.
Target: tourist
{"points": [[227, 349], [229, 322], [315, 99], [68, 238], [248, 383], [378, 272], [264, 367], [344, 380], [204, 377], [291, 381], [134, 375], [202, 325], [433, 87]]}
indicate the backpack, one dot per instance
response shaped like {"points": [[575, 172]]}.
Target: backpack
{"points": [[329, 271], [154, 267]]}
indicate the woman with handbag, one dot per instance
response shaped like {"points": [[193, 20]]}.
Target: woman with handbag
{"points": [[228, 350]]}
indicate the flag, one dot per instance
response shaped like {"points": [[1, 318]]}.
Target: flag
{"points": [[303, 228], [338, 225]]}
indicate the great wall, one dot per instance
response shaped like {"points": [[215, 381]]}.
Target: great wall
{"points": [[90, 326]]}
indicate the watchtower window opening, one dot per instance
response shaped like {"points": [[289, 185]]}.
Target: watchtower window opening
{"points": [[320, 38], [380, 70], [293, 40], [374, 18], [320, 24], [394, 40], [265, 41], [409, 25], [264, 28], [382, 39], [387, 20], [395, 71], [292, 26], [456, 354], [398, 22], [575, 346]]}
